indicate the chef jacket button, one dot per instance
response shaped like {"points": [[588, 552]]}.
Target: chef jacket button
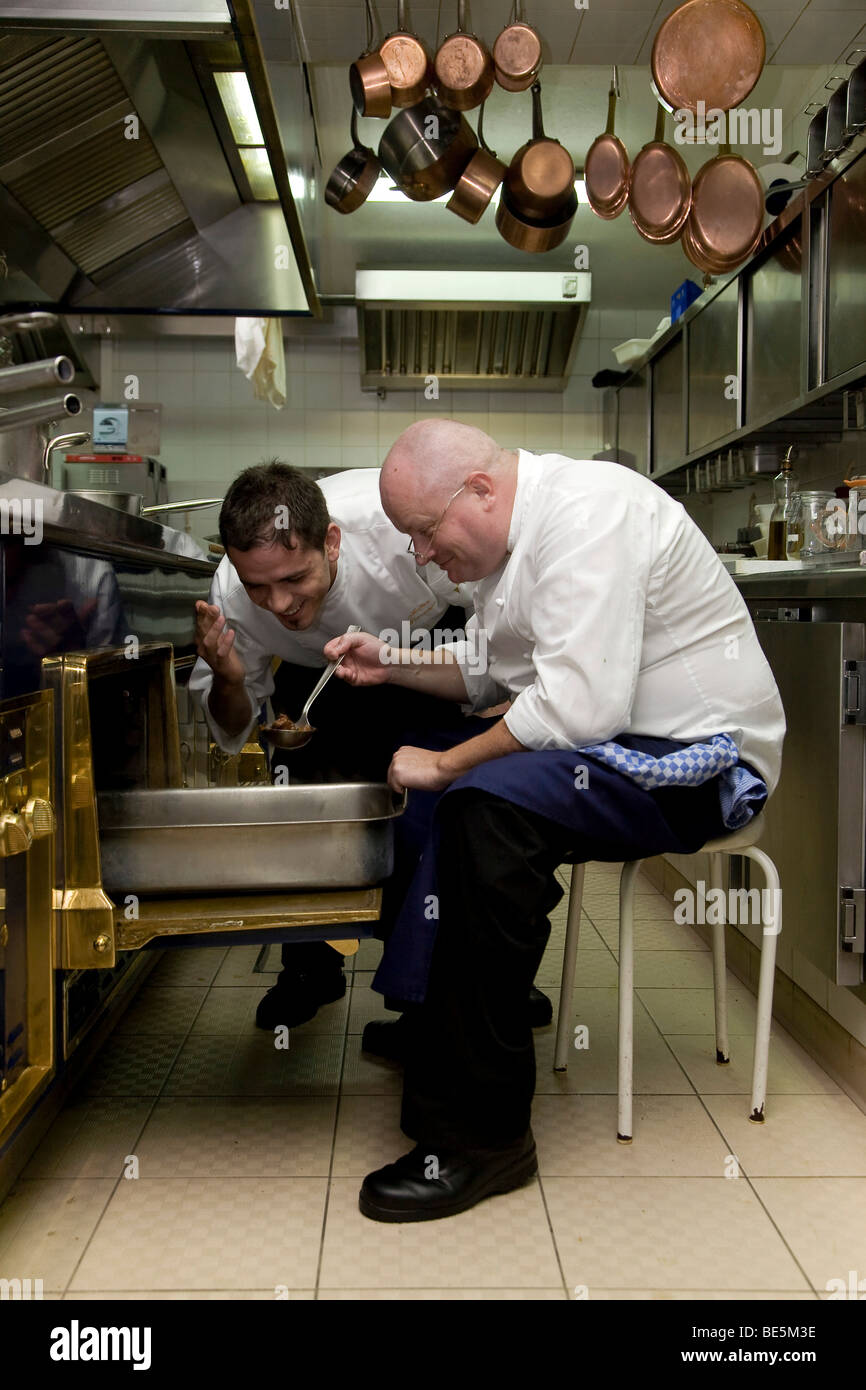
{"points": [[500, 603]]}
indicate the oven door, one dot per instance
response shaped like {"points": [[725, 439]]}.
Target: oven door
{"points": [[143, 861]]}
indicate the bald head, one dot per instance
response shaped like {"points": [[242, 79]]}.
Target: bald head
{"points": [[450, 488], [432, 457]]}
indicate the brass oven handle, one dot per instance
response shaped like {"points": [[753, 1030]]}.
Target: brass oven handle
{"points": [[15, 836], [39, 817]]}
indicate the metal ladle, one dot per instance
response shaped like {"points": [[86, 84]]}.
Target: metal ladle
{"points": [[304, 730]]}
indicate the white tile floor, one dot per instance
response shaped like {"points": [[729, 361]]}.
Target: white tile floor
{"points": [[249, 1159]]}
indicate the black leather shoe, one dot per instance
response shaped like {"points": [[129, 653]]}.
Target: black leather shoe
{"points": [[424, 1185], [298, 999], [385, 1037], [540, 1009]]}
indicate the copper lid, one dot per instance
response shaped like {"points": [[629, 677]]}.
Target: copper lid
{"points": [[709, 50]]}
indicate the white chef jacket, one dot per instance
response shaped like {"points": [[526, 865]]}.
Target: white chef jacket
{"points": [[612, 614], [377, 584]]}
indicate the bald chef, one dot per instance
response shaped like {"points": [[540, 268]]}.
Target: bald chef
{"points": [[304, 561], [643, 719]]}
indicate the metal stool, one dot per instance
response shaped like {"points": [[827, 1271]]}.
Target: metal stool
{"points": [[739, 842]]}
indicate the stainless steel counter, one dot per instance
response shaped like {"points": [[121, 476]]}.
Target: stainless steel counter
{"points": [[812, 584], [67, 519]]}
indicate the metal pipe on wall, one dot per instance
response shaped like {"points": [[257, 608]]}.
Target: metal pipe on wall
{"points": [[40, 411], [29, 374]]}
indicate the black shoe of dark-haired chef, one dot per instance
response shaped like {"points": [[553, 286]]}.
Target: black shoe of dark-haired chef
{"points": [[424, 1185]]}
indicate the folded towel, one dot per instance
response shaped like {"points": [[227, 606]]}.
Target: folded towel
{"points": [[691, 766]]}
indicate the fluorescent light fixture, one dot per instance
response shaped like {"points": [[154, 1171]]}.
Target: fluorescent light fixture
{"points": [[237, 100], [257, 168], [384, 191]]}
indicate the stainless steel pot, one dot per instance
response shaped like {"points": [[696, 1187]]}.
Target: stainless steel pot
{"points": [[425, 149]]}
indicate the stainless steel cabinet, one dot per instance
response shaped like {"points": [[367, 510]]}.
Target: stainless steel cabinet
{"points": [[815, 818], [846, 271]]}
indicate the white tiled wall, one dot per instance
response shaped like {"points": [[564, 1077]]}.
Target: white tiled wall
{"points": [[212, 426]]}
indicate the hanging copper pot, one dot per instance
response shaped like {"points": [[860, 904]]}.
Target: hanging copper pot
{"points": [[368, 78], [517, 55], [351, 182], [463, 68], [606, 167], [479, 180], [659, 189], [531, 234], [540, 177], [708, 50], [408, 62], [727, 212]]}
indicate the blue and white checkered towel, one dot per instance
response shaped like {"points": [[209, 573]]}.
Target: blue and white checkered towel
{"points": [[690, 766]]}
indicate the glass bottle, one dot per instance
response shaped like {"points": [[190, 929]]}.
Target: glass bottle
{"points": [[785, 484], [794, 522]]}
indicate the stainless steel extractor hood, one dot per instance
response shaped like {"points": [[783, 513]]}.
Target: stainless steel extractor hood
{"points": [[468, 328], [123, 184]]}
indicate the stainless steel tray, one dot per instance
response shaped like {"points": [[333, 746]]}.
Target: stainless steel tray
{"points": [[247, 839]]}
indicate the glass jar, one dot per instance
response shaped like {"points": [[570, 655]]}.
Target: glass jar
{"points": [[823, 530]]}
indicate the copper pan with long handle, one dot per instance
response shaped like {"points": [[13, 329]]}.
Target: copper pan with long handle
{"points": [[541, 175], [517, 55], [727, 212], [479, 180], [708, 50], [659, 189], [353, 179], [463, 67], [530, 234], [369, 82], [407, 59], [606, 167]]}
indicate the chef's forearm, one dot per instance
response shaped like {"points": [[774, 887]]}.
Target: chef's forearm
{"points": [[230, 706], [493, 743], [434, 672]]}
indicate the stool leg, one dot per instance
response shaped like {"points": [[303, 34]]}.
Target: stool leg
{"points": [[720, 974], [625, 1035], [569, 964], [769, 935]]}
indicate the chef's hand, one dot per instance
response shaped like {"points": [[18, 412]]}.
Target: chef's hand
{"points": [[419, 768], [54, 627], [363, 664], [214, 642]]}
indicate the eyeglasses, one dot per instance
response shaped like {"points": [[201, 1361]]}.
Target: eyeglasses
{"points": [[432, 533]]}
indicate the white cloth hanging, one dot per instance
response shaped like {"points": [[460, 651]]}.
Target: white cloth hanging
{"points": [[261, 358]]}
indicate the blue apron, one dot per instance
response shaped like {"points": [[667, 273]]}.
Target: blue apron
{"points": [[613, 817]]}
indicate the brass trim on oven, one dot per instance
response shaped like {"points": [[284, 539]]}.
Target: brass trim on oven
{"points": [[86, 915], [245, 913]]}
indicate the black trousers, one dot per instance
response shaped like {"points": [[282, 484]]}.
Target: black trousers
{"points": [[470, 1074]]}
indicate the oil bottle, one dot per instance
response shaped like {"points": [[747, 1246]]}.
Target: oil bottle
{"points": [[785, 485]]}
